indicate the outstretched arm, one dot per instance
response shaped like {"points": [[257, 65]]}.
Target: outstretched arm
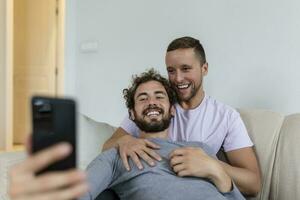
{"points": [[24, 184]]}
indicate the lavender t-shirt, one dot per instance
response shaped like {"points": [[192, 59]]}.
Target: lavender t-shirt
{"points": [[212, 122]]}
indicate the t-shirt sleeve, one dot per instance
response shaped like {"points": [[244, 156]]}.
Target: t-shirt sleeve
{"points": [[237, 136], [100, 174], [129, 126]]}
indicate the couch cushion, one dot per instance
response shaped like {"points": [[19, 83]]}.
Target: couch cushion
{"points": [[263, 128], [286, 173], [7, 160]]}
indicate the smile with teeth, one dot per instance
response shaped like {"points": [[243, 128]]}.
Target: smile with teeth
{"points": [[183, 86], [153, 113]]}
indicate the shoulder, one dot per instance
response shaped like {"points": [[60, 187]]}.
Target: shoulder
{"points": [[108, 155], [109, 152], [221, 108]]}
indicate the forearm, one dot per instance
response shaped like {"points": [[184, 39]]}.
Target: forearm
{"points": [[221, 179], [246, 180], [112, 142]]}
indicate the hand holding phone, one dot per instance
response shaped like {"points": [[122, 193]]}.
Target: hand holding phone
{"points": [[24, 184]]}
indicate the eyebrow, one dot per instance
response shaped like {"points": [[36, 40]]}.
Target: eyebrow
{"points": [[156, 92], [185, 65], [141, 94], [160, 92]]}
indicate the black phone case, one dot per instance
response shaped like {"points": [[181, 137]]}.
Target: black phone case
{"points": [[54, 121]]}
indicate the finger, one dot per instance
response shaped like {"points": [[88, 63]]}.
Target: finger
{"points": [[136, 160], [177, 152], [53, 181], [46, 157], [124, 159], [153, 154], [179, 168], [28, 144], [151, 144], [183, 173], [146, 158], [175, 160], [64, 194]]}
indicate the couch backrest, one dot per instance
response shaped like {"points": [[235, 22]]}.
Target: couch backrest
{"points": [[286, 173], [263, 128], [92, 136]]}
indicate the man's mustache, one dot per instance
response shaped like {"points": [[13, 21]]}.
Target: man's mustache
{"points": [[153, 107]]}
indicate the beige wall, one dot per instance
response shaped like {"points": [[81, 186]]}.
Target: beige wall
{"points": [[2, 72]]}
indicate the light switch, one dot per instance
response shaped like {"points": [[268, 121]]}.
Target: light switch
{"points": [[89, 46]]}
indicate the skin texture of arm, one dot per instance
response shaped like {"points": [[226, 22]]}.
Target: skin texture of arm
{"points": [[112, 141], [244, 170], [132, 147], [193, 161]]}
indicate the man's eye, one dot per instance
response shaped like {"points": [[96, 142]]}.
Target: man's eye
{"points": [[170, 71], [185, 69], [160, 97], [142, 98]]}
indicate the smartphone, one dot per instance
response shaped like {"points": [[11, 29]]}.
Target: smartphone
{"points": [[54, 121]]}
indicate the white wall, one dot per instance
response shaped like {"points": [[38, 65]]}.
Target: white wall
{"points": [[2, 72], [70, 48], [252, 48]]}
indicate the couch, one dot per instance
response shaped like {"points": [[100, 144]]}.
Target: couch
{"points": [[276, 138]]}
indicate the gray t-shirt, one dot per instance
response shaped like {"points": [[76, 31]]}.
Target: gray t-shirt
{"points": [[151, 183]]}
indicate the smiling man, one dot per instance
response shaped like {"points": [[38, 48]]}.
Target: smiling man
{"points": [[150, 102], [198, 117]]}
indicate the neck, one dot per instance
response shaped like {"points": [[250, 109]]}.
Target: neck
{"points": [[194, 101], [161, 134]]}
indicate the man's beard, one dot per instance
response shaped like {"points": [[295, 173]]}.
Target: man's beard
{"points": [[153, 126], [193, 93]]}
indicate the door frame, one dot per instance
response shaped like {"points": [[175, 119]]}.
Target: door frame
{"points": [[9, 49], [8, 102], [60, 48]]}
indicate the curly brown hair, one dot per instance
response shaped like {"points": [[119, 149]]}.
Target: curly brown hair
{"points": [[189, 42], [150, 75]]}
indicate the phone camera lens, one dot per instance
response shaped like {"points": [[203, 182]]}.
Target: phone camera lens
{"points": [[46, 108], [43, 106]]}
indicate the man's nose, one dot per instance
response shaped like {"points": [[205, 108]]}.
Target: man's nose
{"points": [[178, 77], [152, 101]]}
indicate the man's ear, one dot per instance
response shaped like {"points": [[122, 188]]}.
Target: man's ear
{"points": [[172, 110], [131, 114], [204, 69]]}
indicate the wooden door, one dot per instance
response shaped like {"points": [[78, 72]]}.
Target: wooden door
{"points": [[35, 40]]}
